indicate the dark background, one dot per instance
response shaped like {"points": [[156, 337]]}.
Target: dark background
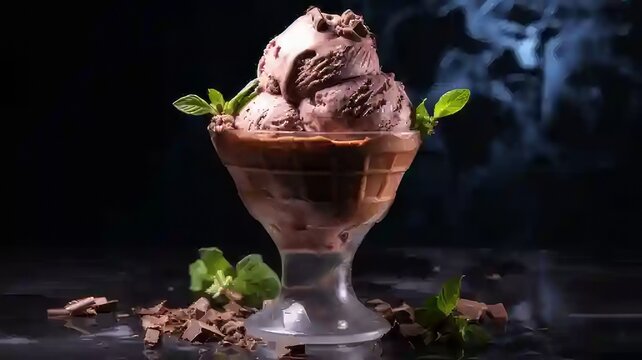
{"points": [[544, 156]]}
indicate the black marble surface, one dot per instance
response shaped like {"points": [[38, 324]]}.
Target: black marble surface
{"points": [[561, 306]]}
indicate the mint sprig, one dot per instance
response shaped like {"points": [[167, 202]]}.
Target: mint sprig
{"points": [[448, 104], [194, 105], [252, 279], [444, 326]]}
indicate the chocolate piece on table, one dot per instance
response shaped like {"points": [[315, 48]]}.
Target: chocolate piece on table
{"points": [[154, 322], [104, 306], [233, 306], [58, 312], [152, 338], [80, 305], [295, 352], [404, 313], [211, 316], [155, 310], [471, 310], [411, 330], [201, 332], [497, 313], [199, 307]]}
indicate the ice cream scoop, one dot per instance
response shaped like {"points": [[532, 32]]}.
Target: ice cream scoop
{"points": [[325, 66]]}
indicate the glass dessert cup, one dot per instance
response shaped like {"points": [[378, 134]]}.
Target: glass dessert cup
{"points": [[317, 195]]}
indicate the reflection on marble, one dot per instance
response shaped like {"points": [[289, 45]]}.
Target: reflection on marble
{"points": [[561, 307]]}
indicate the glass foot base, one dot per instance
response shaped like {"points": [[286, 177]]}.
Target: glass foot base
{"points": [[311, 319]]}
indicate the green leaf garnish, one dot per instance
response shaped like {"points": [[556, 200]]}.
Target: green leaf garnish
{"points": [[429, 315], [242, 98], [475, 335], [449, 295], [193, 105], [198, 275], [451, 102], [448, 104], [253, 279], [220, 282], [444, 327], [216, 100], [204, 269]]}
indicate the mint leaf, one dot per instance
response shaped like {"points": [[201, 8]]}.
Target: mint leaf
{"points": [[215, 261], [421, 109], [460, 325], [243, 97], [203, 270], [449, 294], [255, 280], [198, 275], [423, 121], [220, 282], [451, 102], [430, 315], [216, 100], [476, 336], [193, 105]]}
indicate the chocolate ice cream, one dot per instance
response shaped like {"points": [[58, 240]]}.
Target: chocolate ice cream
{"points": [[324, 70], [323, 186]]}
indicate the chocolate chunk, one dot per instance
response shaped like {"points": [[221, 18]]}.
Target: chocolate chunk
{"points": [[471, 310], [199, 307], [152, 338], [232, 326], [411, 330], [497, 313], [79, 306], [154, 322], [375, 302], [295, 352], [404, 313], [156, 310], [104, 306], [211, 316], [58, 312], [201, 332], [318, 21], [234, 307]]}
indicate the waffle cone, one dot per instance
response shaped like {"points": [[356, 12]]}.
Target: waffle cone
{"points": [[318, 193]]}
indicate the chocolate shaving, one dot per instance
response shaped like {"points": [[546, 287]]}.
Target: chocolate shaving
{"points": [[201, 332], [200, 323], [58, 312], [295, 352], [79, 306], [199, 307], [471, 310], [411, 330], [152, 338], [87, 306], [158, 309], [497, 313]]}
